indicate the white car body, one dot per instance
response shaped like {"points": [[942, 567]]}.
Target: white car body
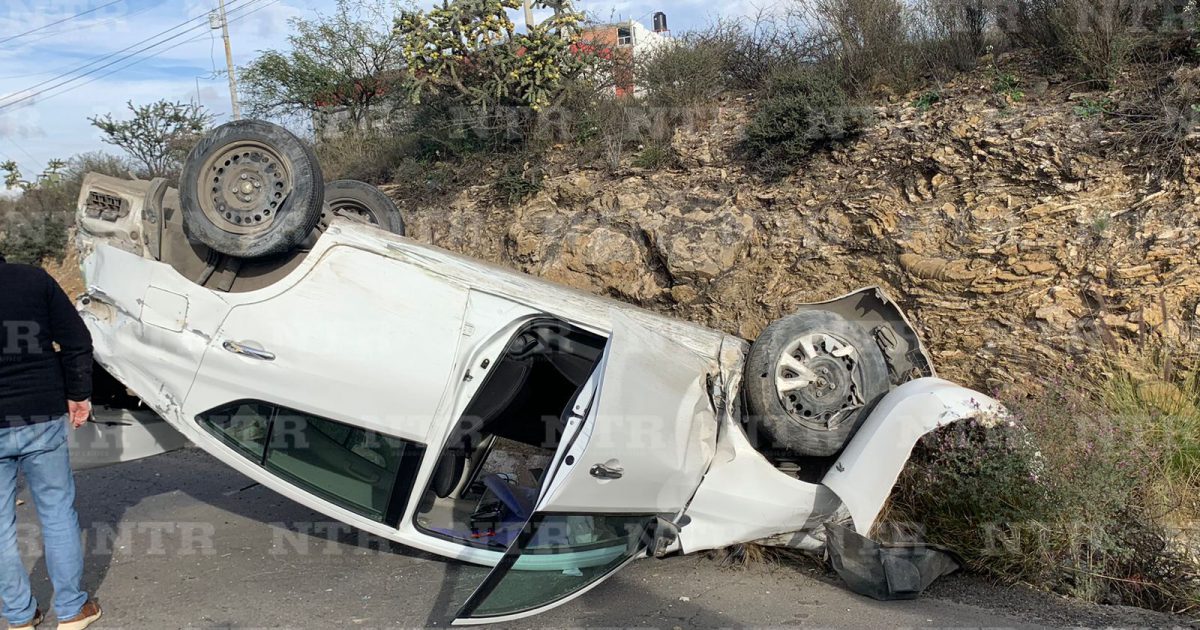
{"points": [[394, 337]]}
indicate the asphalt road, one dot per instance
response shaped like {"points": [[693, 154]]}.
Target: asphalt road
{"points": [[180, 540]]}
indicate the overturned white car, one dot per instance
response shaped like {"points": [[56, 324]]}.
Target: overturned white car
{"points": [[475, 412]]}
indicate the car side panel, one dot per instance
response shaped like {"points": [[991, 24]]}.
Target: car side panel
{"points": [[152, 346], [361, 339]]}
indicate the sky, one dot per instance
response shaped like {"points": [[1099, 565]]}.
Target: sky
{"points": [[190, 66]]}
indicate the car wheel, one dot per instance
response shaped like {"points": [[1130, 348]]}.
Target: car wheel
{"points": [[360, 201], [251, 189], [811, 379]]}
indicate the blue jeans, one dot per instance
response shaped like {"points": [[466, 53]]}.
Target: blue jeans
{"points": [[40, 452]]}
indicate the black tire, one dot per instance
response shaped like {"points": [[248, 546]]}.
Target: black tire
{"points": [[364, 200], [790, 428], [281, 205]]}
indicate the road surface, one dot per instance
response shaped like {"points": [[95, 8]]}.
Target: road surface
{"points": [[180, 540]]}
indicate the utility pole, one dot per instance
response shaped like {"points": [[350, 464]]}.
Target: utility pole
{"points": [[528, 15], [233, 100]]}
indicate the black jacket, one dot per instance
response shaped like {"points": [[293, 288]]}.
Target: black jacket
{"points": [[36, 381]]}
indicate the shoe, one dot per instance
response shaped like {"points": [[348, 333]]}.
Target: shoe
{"points": [[87, 615], [37, 619]]}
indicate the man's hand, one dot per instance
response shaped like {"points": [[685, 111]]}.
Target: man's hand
{"points": [[79, 411]]}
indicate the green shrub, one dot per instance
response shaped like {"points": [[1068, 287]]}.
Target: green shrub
{"points": [[655, 157], [950, 34], [1075, 493], [802, 112], [866, 41], [1093, 107], [752, 49], [927, 100], [31, 240], [1094, 38], [514, 184], [33, 225], [1007, 84], [684, 72]]}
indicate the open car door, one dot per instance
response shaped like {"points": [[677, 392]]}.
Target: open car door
{"points": [[635, 446]]}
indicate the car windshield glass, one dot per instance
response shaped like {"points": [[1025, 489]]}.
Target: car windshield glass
{"points": [[557, 556]]}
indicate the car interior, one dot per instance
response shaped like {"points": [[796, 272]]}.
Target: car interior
{"points": [[487, 477]]}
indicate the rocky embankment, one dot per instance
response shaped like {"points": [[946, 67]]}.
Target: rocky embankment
{"points": [[1022, 237]]}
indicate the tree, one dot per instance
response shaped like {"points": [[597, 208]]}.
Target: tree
{"points": [[158, 136], [350, 61], [471, 48], [12, 177], [33, 226]]}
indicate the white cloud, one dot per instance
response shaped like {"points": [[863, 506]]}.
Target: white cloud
{"points": [[13, 127]]}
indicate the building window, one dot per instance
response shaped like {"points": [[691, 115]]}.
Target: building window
{"points": [[624, 36], [363, 471]]}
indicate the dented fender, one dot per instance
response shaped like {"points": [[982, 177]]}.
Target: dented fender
{"points": [[863, 475], [745, 498]]}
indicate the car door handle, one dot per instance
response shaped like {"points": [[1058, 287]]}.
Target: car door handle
{"points": [[248, 351], [607, 470]]}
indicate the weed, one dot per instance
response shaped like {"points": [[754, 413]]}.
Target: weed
{"points": [[1007, 84], [655, 157], [1093, 107], [369, 156], [515, 184], [1076, 492], [683, 73], [926, 101]]}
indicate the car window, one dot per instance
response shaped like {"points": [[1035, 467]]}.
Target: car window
{"points": [[557, 556], [349, 466], [244, 426], [361, 470]]}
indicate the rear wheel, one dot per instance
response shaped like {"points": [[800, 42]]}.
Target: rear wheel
{"points": [[811, 380], [251, 189], [360, 201]]}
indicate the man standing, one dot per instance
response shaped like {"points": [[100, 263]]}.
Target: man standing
{"points": [[40, 392]]}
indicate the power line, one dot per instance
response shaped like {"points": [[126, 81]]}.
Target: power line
{"points": [[67, 69], [114, 54], [232, 20], [89, 25], [81, 27], [66, 19], [65, 80], [21, 149]]}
